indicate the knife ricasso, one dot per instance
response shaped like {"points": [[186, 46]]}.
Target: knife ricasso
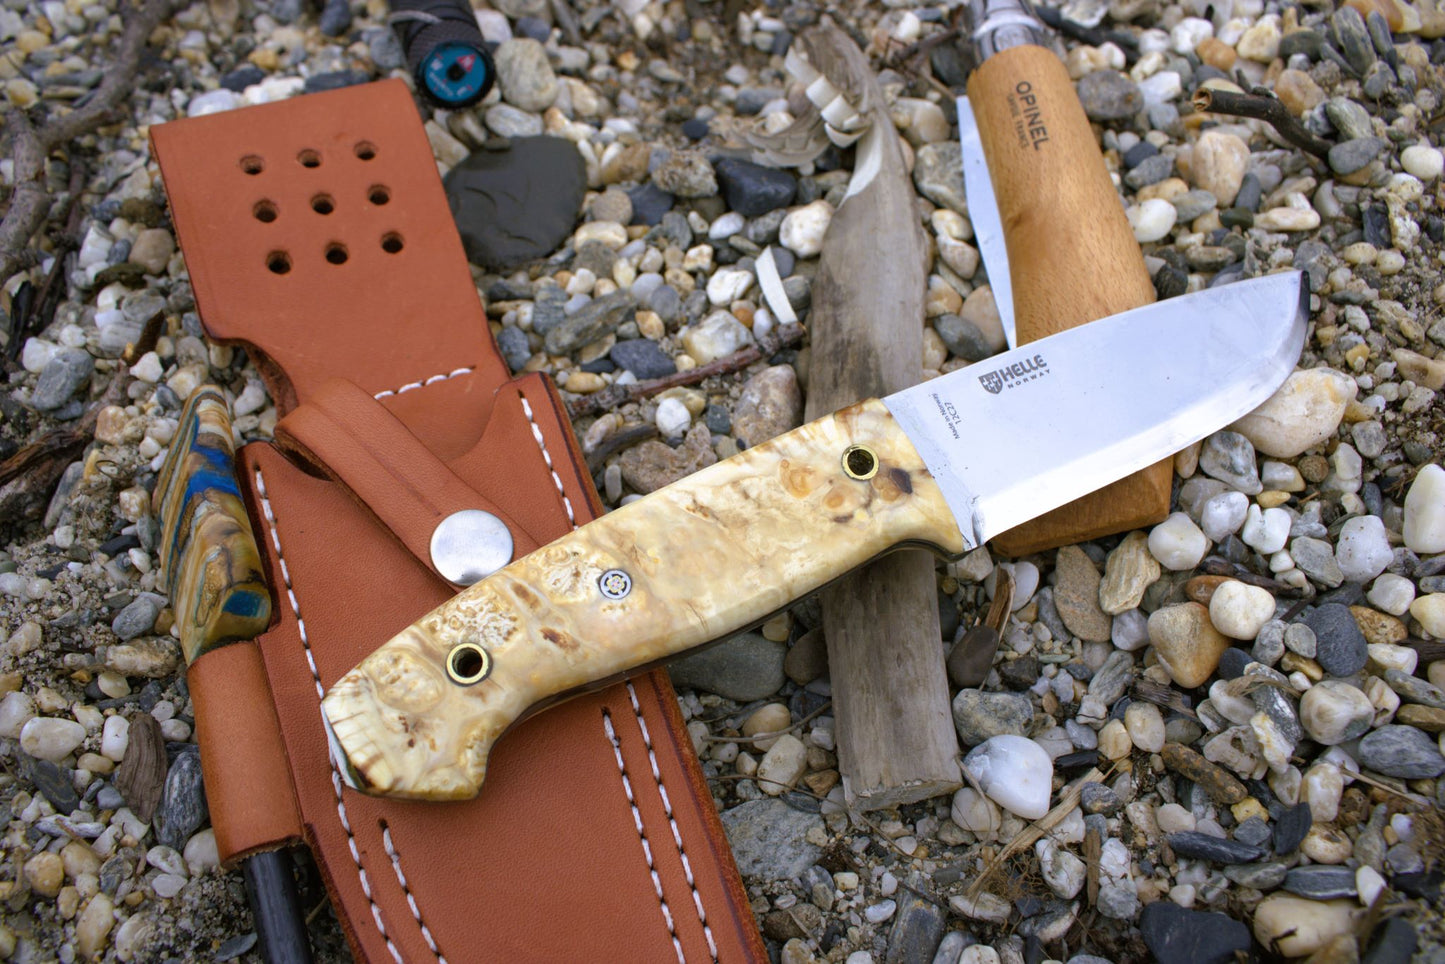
{"points": [[687, 565]]}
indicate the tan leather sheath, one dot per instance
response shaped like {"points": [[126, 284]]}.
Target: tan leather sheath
{"points": [[317, 235]]}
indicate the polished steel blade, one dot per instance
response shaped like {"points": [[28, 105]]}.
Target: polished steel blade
{"points": [[1018, 434], [983, 214]]}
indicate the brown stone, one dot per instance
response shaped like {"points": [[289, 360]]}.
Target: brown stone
{"points": [[770, 405], [1076, 595], [1216, 781], [807, 659], [1426, 718], [1200, 589], [652, 465], [1216, 53]]}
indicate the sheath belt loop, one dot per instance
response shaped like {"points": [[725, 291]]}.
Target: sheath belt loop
{"points": [[349, 436]]}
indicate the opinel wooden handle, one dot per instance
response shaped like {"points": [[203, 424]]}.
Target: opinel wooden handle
{"points": [[689, 564], [1072, 255]]}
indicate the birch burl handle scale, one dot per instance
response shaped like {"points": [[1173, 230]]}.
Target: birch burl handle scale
{"points": [[687, 565], [1072, 256]]}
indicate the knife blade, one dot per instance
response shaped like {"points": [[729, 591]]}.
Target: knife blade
{"points": [[946, 465], [983, 215]]}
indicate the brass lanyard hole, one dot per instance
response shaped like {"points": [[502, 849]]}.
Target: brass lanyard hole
{"points": [[468, 664], [860, 462]]}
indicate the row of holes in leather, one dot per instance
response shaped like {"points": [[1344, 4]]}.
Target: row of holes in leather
{"points": [[279, 261], [266, 211], [255, 163]]}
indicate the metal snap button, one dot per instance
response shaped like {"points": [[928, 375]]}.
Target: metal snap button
{"points": [[469, 545]]}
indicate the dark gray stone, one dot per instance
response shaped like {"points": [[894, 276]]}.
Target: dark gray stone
{"points": [[1112, 678], [1413, 689], [335, 18], [649, 203], [917, 924], [1401, 751], [1151, 170], [751, 189], [962, 337], [113, 872], [517, 205], [1354, 38], [1394, 943], [1321, 882], [1182, 936], [1201, 846], [1302, 41], [643, 357], [183, 802], [597, 318], [62, 377], [1340, 647], [1291, 828], [1108, 95], [1098, 798], [242, 77], [666, 303], [1253, 831], [335, 80], [745, 667], [1192, 204], [549, 309], [234, 947], [54, 784]]}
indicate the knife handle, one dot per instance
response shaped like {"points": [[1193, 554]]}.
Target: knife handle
{"points": [[689, 564], [1072, 255]]}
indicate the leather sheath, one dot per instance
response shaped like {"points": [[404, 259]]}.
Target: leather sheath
{"points": [[317, 235]]}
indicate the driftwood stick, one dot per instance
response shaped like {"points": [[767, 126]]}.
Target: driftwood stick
{"points": [[30, 202], [1261, 106], [896, 742], [616, 395]]}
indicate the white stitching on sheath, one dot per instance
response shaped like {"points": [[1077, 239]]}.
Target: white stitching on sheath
{"points": [[410, 900], [676, 833], [320, 692], [642, 834], [421, 384], [547, 456]]}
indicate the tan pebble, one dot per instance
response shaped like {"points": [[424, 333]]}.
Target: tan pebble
{"points": [[771, 718], [584, 383], [45, 873], [1430, 611], [1165, 190], [1326, 845], [1249, 807], [1187, 645], [1216, 53], [1271, 498], [1201, 589], [1114, 741], [78, 858], [1129, 570], [782, 766], [1297, 926], [68, 902], [1298, 91], [92, 930], [1145, 725], [778, 628], [1305, 411]]}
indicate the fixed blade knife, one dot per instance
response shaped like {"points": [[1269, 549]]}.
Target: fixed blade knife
{"points": [[946, 464]]}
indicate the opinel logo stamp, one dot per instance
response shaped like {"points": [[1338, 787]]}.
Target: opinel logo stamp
{"points": [[1014, 375]]}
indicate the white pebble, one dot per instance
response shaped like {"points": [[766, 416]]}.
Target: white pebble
{"points": [[37, 353], [1223, 514], [1015, 772], [16, 709], [1152, 219], [1161, 88], [1369, 884], [1238, 610], [802, 230], [167, 886], [672, 418], [1423, 161], [1266, 530], [728, 285], [716, 335], [1172, 818], [114, 738], [148, 368], [1392, 594], [1425, 511], [201, 854], [1145, 725], [1364, 550], [212, 102], [51, 738], [880, 912], [1177, 543], [726, 226], [782, 765], [975, 812]]}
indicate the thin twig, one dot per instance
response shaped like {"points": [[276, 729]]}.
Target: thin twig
{"points": [[771, 733], [1260, 105], [30, 201], [614, 396]]}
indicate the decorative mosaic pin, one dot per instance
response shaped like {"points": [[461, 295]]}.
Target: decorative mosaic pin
{"points": [[209, 560]]}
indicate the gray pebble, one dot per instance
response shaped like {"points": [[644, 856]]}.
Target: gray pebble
{"points": [[938, 174], [1108, 95], [1412, 689], [1229, 457], [135, 619], [1349, 118], [1349, 156], [1401, 751], [513, 344], [1321, 882], [1354, 38], [1316, 559], [61, 378], [597, 318], [183, 802], [1192, 204], [1151, 170], [1261, 876], [1291, 828], [1098, 798], [962, 337], [1112, 678], [1201, 846], [1404, 859], [1340, 647], [978, 715], [1253, 831], [746, 667], [769, 838], [643, 357]]}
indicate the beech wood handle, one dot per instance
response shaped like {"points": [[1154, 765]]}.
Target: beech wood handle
{"points": [[1072, 255], [687, 565]]}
